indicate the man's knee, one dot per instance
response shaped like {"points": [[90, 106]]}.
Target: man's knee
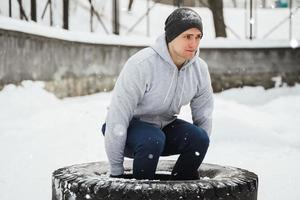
{"points": [[152, 145], [200, 138], [103, 128]]}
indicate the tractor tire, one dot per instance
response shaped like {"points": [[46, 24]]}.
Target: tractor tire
{"points": [[92, 181]]}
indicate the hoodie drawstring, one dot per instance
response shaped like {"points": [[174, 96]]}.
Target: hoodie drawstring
{"points": [[182, 90], [174, 72]]}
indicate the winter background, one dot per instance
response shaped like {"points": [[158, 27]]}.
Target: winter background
{"points": [[253, 128]]}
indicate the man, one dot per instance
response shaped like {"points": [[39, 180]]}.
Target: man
{"points": [[142, 122]]}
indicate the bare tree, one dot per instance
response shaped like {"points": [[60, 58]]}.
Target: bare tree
{"points": [[264, 3], [33, 10], [51, 12], [234, 3], [216, 6], [21, 9], [49, 3], [177, 3], [22, 12], [66, 14], [130, 5], [91, 15]]}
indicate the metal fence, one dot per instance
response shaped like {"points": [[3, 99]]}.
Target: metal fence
{"points": [[255, 14], [261, 19]]}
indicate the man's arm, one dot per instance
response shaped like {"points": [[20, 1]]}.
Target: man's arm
{"points": [[202, 104], [127, 92]]}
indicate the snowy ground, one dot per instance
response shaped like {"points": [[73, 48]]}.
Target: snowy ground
{"points": [[253, 128]]}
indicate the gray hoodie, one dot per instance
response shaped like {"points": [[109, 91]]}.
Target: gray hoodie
{"points": [[150, 87]]}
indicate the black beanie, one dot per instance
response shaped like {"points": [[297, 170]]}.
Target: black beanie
{"points": [[181, 20]]}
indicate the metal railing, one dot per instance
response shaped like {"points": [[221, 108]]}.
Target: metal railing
{"points": [[251, 8]]}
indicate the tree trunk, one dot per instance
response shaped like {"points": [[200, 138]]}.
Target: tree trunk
{"points": [[21, 9], [91, 16], [33, 10], [130, 5], [177, 3], [66, 14], [216, 6], [234, 3], [51, 14], [22, 12], [264, 3]]}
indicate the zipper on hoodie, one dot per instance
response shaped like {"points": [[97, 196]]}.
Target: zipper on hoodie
{"points": [[170, 87]]}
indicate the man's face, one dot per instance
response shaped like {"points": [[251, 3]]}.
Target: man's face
{"points": [[186, 44]]}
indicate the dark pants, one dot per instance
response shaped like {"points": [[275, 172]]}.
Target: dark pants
{"points": [[146, 143]]}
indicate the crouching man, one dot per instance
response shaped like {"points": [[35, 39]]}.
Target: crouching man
{"points": [[154, 84]]}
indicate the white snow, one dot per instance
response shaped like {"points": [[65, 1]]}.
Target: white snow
{"points": [[253, 128], [294, 43]]}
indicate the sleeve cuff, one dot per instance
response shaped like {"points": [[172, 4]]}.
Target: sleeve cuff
{"points": [[116, 169]]}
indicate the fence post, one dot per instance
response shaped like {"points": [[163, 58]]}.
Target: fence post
{"points": [[116, 25], [9, 3], [290, 19], [66, 14], [33, 10]]}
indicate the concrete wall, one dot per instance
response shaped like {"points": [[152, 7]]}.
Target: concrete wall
{"points": [[74, 68], [68, 68], [239, 67]]}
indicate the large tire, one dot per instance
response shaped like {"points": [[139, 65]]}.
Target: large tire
{"points": [[91, 181]]}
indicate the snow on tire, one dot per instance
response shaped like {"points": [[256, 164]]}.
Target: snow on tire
{"points": [[91, 181]]}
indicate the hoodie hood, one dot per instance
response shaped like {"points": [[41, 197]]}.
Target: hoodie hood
{"points": [[160, 46]]}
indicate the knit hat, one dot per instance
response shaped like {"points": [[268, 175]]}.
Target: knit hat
{"points": [[181, 20]]}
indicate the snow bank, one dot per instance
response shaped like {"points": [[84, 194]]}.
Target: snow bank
{"points": [[255, 129]]}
